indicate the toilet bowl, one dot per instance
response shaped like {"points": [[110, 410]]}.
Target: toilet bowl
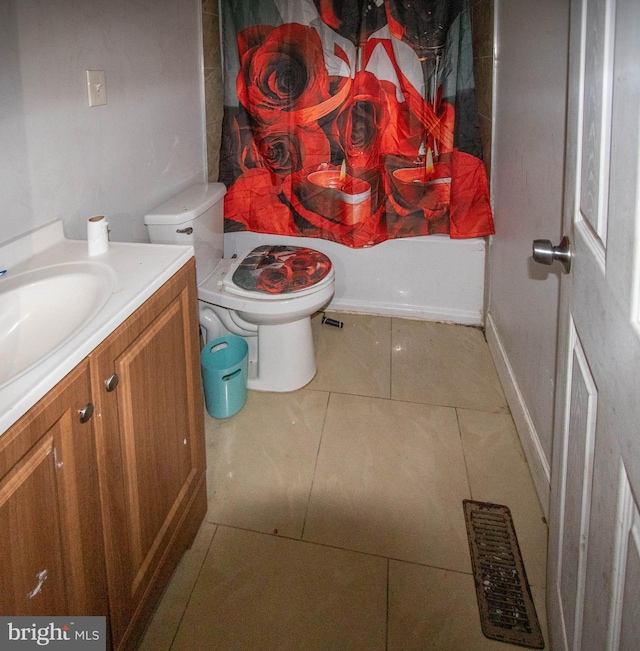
{"points": [[266, 295]]}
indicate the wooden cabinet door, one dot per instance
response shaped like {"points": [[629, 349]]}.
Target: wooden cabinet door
{"points": [[151, 449], [51, 551]]}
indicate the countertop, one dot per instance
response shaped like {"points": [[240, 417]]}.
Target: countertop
{"points": [[140, 270]]}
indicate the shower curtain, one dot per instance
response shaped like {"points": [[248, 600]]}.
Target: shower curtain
{"points": [[351, 120]]}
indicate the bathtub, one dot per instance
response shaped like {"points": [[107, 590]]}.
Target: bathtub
{"points": [[433, 278]]}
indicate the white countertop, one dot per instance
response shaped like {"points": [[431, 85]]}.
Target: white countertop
{"points": [[140, 270]]}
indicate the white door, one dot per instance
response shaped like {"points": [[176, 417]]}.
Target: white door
{"points": [[593, 591]]}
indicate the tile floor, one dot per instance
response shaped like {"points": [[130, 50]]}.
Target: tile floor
{"points": [[335, 515]]}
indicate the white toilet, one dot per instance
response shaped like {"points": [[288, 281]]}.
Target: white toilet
{"points": [[267, 295]]}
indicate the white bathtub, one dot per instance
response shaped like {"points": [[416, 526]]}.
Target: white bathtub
{"points": [[432, 278]]}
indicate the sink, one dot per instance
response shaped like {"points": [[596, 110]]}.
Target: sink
{"points": [[41, 309]]}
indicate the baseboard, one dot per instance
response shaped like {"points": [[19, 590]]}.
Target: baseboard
{"points": [[441, 314], [538, 463]]}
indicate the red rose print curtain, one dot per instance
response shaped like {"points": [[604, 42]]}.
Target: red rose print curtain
{"points": [[351, 120]]}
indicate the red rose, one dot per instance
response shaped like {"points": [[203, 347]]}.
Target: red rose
{"points": [[274, 279], [309, 263], [300, 280], [371, 121], [302, 260], [281, 69], [361, 121], [285, 151]]}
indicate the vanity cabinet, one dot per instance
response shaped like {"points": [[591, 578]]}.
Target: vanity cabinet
{"points": [[95, 515], [150, 449], [50, 527]]}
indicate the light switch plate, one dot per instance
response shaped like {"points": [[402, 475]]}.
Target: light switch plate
{"points": [[96, 87]]}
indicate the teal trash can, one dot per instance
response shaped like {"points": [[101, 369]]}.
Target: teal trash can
{"points": [[224, 375]]}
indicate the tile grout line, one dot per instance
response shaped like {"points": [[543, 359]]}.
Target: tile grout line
{"points": [[315, 465], [344, 549], [464, 454], [410, 402], [204, 558], [191, 591]]}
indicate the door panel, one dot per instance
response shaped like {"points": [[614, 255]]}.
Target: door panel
{"points": [[578, 471], [625, 607], [596, 114]]}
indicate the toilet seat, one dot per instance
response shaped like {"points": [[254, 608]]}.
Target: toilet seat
{"points": [[278, 272], [217, 290]]}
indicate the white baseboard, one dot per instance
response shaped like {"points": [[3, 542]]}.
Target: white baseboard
{"points": [[538, 463]]}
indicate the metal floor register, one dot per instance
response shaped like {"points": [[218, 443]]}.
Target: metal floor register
{"points": [[507, 612]]}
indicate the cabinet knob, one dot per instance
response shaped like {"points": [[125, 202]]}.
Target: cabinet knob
{"points": [[112, 382], [86, 412]]}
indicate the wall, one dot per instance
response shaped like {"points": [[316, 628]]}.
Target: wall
{"points": [[528, 158], [61, 159]]}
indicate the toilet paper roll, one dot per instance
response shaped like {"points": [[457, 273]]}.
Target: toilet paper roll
{"points": [[97, 235]]}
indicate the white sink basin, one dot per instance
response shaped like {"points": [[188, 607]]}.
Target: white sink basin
{"points": [[41, 309]]}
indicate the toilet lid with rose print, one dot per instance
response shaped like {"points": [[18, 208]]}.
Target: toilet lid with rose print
{"points": [[277, 269]]}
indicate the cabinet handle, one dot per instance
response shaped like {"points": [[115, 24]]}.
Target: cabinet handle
{"points": [[86, 412], [112, 382]]}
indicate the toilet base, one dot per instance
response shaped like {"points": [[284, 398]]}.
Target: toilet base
{"points": [[286, 358]]}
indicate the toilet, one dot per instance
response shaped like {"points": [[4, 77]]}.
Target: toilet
{"points": [[266, 295]]}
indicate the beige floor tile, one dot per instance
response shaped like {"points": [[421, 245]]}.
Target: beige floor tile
{"points": [[260, 462], [355, 359], [264, 592], [499, 473], [164, 624], [434, 609], [390, 480], [443, 364]]}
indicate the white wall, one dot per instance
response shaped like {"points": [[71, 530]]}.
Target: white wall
{"points": [[528, 159], [60, 159]]}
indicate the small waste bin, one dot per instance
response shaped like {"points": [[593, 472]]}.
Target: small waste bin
{"points": [[224, 375]]}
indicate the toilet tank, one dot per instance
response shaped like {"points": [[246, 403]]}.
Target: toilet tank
{"points": [[194, 216]]}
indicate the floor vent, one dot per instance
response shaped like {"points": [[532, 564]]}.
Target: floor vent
{"points": [[507, 612]]}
